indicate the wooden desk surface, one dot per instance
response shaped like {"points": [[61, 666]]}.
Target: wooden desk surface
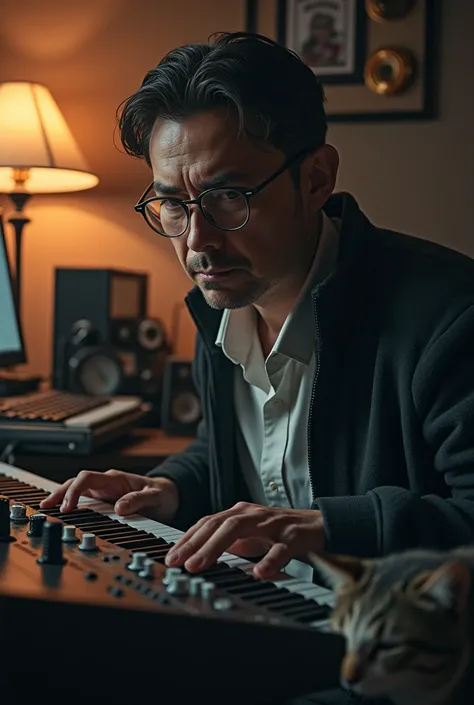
{"points": [[152, 442], [139, 452]]}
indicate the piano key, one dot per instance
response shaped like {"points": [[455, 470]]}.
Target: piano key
{"points": [[254, 591], [277, 601], [308, 612]]}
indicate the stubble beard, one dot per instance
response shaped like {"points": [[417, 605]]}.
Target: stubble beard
{"points": [[222, 298]]}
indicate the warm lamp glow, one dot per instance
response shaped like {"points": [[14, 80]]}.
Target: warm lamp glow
{"points": [[37, 144]]}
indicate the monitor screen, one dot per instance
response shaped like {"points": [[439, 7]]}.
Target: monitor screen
{"points": [[12, 350]]}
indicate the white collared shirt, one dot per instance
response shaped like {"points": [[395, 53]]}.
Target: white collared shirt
{"points": [[272, 396]]}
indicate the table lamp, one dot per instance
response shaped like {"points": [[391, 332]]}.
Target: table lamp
{"points": [[38, 154]]}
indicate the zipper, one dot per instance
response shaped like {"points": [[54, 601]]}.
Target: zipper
{"points": [[313, 391]]}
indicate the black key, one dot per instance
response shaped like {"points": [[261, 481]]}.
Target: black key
{"points": [[252, 592], [127, 536], [130, 545], [13, 485], [318, 612], [112, 535], [80, 519], [214, 570], [157, 559], [139, 543], [280, 603], [112, 526], [234, 583], [28, 496], [157, 555], [77, 514], [93, 526]]}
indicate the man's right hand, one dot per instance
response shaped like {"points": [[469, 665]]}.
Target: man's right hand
{"points": [[154, 497]]}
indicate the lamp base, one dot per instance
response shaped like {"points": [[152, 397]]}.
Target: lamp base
{"points": [[15, 383]]}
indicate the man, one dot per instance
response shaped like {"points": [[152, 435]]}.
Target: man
{"points": [[334, 360]]}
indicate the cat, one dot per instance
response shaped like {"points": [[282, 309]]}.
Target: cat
{"points": [[408, 622]]}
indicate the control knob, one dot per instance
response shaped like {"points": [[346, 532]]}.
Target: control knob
{"points": [[222, 604], [36, 525], [147, 571], [170, 574], [138, 561], [52, 545], [69, 535], [207, 590], [195, 585], [88, 542], [18, 513], [5, 519], [178, 585]]}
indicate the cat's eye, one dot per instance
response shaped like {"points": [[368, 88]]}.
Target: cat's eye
{"points": [[382, 647]]}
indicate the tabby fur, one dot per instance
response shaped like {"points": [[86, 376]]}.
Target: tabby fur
{"points": [[408, 623]]}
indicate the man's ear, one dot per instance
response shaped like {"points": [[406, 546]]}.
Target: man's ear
{"points": [[338, 571], [449, 585], [321, 174]]}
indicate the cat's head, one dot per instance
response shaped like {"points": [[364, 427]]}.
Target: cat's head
{"points": [[405, 621]]}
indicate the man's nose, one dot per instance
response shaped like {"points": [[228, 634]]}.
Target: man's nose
{"points": [[202, 234]]}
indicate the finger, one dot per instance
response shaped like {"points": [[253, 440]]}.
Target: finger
{"points": [[275, 560], [194, 537], [188, 543], [134, 501], [250, 548], [202, 530], [56, 496], [210, 548], [217, 518], [81, 485]]}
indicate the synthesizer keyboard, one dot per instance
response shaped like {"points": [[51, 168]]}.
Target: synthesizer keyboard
{"points": [[63, 423], [110, 595]]}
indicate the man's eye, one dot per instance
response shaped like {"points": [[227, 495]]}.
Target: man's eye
{"points": [[227, 195], [170, 205]]}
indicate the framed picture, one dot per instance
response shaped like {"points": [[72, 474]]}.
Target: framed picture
{"points": [[377, 59], [328, 35]]}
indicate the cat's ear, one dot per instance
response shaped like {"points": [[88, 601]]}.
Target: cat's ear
{"points": [[448, 585], [338, 571]]}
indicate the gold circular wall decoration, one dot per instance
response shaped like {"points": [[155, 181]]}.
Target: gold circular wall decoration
{"points": [[386, 10], [390, 71]]}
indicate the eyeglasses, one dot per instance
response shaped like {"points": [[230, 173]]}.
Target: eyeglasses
{"points": [[226, 208]]}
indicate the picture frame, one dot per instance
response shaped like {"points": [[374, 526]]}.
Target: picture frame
{"points": [[399, 81], [328, 35]]}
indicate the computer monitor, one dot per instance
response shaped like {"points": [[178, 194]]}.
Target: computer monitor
{"points": [[12, 349]]}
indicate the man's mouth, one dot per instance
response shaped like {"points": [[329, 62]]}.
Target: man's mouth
{"points": [[215, 274]]}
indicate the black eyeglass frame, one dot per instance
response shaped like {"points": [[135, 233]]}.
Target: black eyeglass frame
{"points": [[141, 205]]}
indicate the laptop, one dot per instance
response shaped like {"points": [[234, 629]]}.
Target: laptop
{"points": [[52, 421]]}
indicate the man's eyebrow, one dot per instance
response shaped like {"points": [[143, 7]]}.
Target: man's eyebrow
{"points": [[227, 178]]}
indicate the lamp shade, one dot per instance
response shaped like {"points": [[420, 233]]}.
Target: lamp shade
{"points": [[36, 140]]}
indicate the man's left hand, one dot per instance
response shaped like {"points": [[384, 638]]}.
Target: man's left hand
{"points": [[250, 529]]}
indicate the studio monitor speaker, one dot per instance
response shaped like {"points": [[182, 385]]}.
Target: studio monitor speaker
{"points": [[180, 404]]}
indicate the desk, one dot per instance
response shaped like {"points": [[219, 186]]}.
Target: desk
{"points": [[138, 452]]}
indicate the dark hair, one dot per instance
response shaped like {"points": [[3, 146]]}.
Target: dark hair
{"points": [[269, 87]]}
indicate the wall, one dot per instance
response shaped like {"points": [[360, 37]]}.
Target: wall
{"points": [[416, 177], [419, 177]]}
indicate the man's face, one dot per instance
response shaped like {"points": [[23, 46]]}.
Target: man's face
{"points": [[259, 261]]}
